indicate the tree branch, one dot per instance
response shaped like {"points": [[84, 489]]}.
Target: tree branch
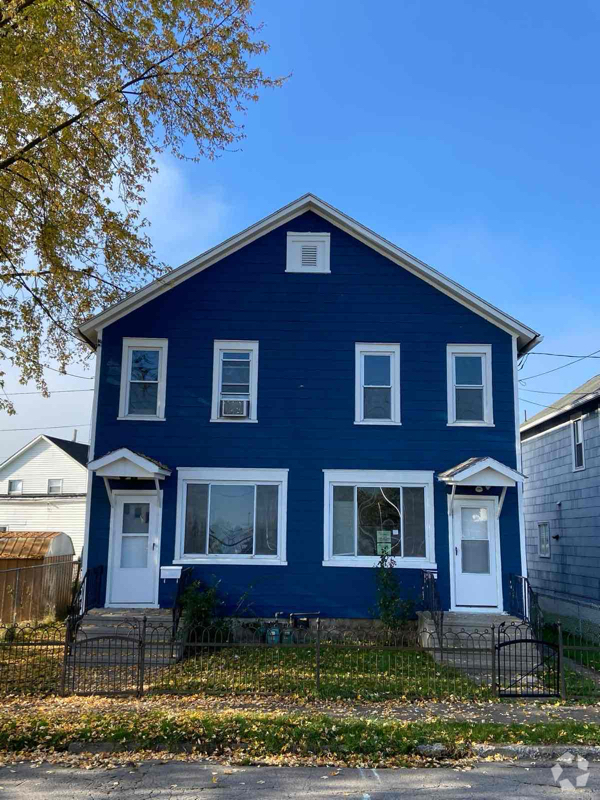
{"points": [[145, 75]]}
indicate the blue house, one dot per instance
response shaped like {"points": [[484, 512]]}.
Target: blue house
{"points": [[282, 410]]}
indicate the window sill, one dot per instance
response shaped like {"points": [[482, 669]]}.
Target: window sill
{"points": [[373, 561], [308, 271], [470, 425], [578, 469], [235, 421], [141, 418], [386, 422], [239, 561]]}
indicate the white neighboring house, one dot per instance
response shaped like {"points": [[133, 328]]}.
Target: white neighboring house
{"points": [[43, 488]]}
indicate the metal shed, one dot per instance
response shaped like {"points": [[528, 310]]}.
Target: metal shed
{"points": [[36, 574]]}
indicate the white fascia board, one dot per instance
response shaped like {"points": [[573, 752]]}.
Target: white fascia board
{"points": [[481, 466], [527, 337], [128, 455]]}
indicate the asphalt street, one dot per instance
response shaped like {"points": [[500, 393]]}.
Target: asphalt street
{"points": [[176, 781]]}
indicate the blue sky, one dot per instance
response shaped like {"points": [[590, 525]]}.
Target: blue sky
{"points": [[465, 132]]}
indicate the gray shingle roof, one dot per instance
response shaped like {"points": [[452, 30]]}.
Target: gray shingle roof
{"points": [[76, 450], [582, 394]]}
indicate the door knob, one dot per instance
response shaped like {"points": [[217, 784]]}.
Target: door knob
{"points": [[456, 550]]}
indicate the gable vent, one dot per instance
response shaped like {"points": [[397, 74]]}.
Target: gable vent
{"points": [[310, 253], [307, 252]]}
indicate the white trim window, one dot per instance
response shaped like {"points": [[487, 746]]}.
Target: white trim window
{"points": [[55, 485], [369, 513], [544, 539], [15, 487], [377, 384], [231, 516], [235, 382], [143, 379], [469, 368], [578, 445], [308, 252]]}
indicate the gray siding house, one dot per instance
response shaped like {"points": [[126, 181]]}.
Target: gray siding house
{"points": [[561, 459]]}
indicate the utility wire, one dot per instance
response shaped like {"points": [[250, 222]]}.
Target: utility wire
{"points": [[60, 372], [50, 391], [537, 391], [559, 355], [555, 408], [562, 366], [47, 427]]}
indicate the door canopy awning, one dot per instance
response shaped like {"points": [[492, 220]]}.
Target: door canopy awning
{"points": [[484, 471], [125, 463]]}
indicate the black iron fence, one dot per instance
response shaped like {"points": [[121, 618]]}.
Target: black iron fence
{"points": [[141, 656]]}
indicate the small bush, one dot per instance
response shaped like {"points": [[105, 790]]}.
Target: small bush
{"points": [[200, 610], [391, 608]]}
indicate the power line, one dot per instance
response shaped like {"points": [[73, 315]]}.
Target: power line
{"points": [[562, 366], [47, 366], [559, 355], [541, 405], [50, 391], [541, 391], [47, 427]]}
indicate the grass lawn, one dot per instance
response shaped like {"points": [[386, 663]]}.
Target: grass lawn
{"points": [[578, 685], [31, 658], [282, 738], [346, 672]]}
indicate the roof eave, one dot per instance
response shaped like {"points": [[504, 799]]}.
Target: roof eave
{"points": [[530, 425], [527, 338]]}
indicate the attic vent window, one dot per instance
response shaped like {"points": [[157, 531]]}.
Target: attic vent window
{"points": [[308, 252], [309, 255]]}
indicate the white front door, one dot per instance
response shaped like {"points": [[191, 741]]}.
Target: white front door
{"points": [[134, 550], [476, 554]]}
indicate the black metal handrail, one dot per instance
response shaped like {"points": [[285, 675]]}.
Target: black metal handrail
{"points": [[185, 580], [524, 604], [88, 594], [432, 602]]}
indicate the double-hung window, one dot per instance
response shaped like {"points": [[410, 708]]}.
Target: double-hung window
{"points": [[377, 384], [469, 369], [55, 485], [143, 379], [544, 540], [231, 516], [235, 382], [370, 513], [578, 449], [15, 487]]}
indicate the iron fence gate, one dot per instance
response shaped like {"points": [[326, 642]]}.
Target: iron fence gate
{"points": [[527, 666]]}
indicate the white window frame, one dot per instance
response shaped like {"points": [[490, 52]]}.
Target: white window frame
{"points": [[485, 352], [577, 424], [293, 262], [540, 525], [228, 346], [392, 478], [361, 350], [218, 475], [130, 344], [59, 481], [19, 491]]}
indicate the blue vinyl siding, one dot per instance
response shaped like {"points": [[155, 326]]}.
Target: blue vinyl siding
{"points": [[307, 327]]}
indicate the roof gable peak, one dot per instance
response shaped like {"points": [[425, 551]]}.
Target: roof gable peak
{"points": [[526, 337]]}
